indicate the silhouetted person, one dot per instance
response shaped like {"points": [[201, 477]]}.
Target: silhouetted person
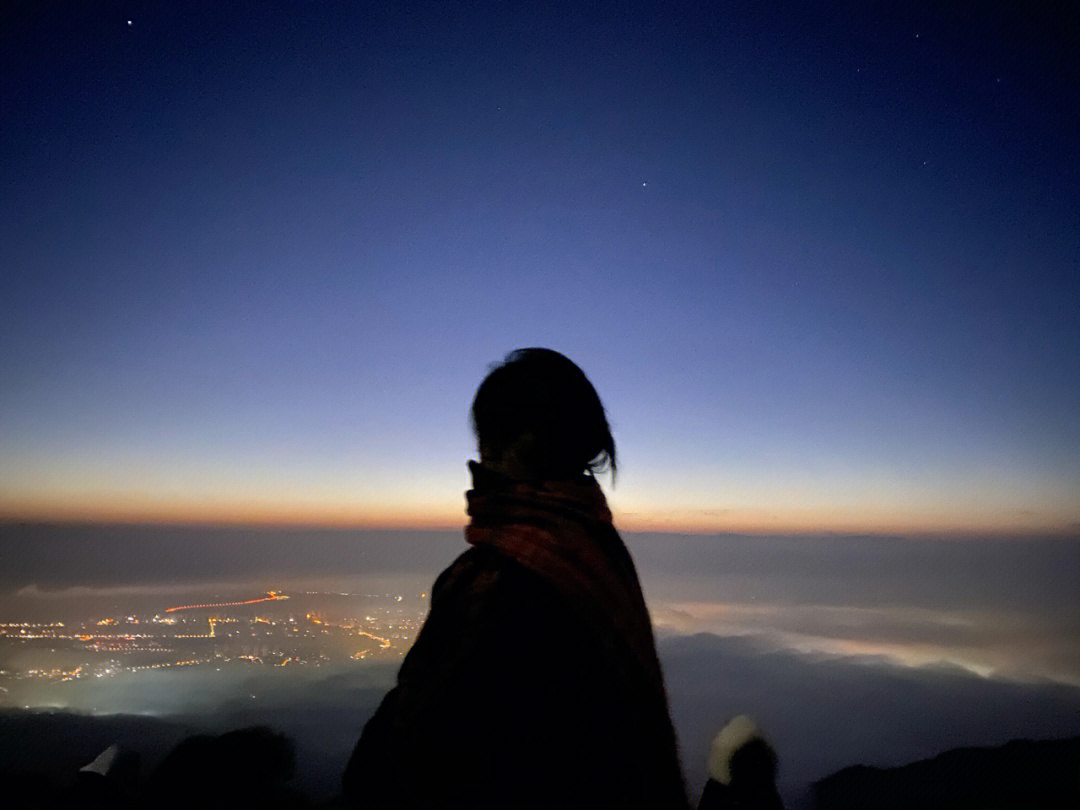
{"points": [[742, 770], [534, 681]]}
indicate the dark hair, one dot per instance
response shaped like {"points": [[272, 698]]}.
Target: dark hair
{"points": [[542, 395]]}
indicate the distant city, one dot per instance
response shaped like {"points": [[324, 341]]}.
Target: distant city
{"points": [[305, 629]]}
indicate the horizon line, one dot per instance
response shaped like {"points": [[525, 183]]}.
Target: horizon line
{"points": [[1066, 533]]}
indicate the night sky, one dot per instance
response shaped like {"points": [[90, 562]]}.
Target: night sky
{"points": [[822, 267]]}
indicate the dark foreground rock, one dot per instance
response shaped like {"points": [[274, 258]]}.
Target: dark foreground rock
{"points": [[183, 765], [1020, 774]]}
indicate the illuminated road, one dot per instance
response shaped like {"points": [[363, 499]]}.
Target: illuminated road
{"points": [[270, 597], [385, 642]]}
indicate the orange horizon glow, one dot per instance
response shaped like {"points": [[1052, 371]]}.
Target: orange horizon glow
{"points": [[804, 521]]}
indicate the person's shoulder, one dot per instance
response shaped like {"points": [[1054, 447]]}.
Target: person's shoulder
{"points": [[477, 570], [485, 574]]}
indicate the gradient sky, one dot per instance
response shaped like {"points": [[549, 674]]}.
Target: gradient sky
{"points": [[821, 267]]}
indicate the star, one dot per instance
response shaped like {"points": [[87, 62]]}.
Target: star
{"points": [[129, 22]]}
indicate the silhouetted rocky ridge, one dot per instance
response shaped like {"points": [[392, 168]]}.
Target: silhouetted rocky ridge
{"points": [[1034, 775]]}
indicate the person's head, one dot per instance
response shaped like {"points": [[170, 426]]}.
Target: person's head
{"points": [[537, 416]]}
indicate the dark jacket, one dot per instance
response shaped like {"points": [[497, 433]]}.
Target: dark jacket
{"points": [[510, 698]]}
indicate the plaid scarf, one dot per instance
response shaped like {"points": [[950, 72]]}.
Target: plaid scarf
{"points": [[562, 530]]}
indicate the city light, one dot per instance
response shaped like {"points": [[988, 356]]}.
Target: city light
{"points": [[361, 627]]}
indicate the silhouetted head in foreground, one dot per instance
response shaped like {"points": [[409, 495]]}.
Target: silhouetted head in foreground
{"points": [[742, 770], [248, 767], [536, 416]]}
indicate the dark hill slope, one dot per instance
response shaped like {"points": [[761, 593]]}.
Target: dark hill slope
{"points": [[1020, 774]]}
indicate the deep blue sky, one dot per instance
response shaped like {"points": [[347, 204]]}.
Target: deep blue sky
{"points": [[821, 266]]}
